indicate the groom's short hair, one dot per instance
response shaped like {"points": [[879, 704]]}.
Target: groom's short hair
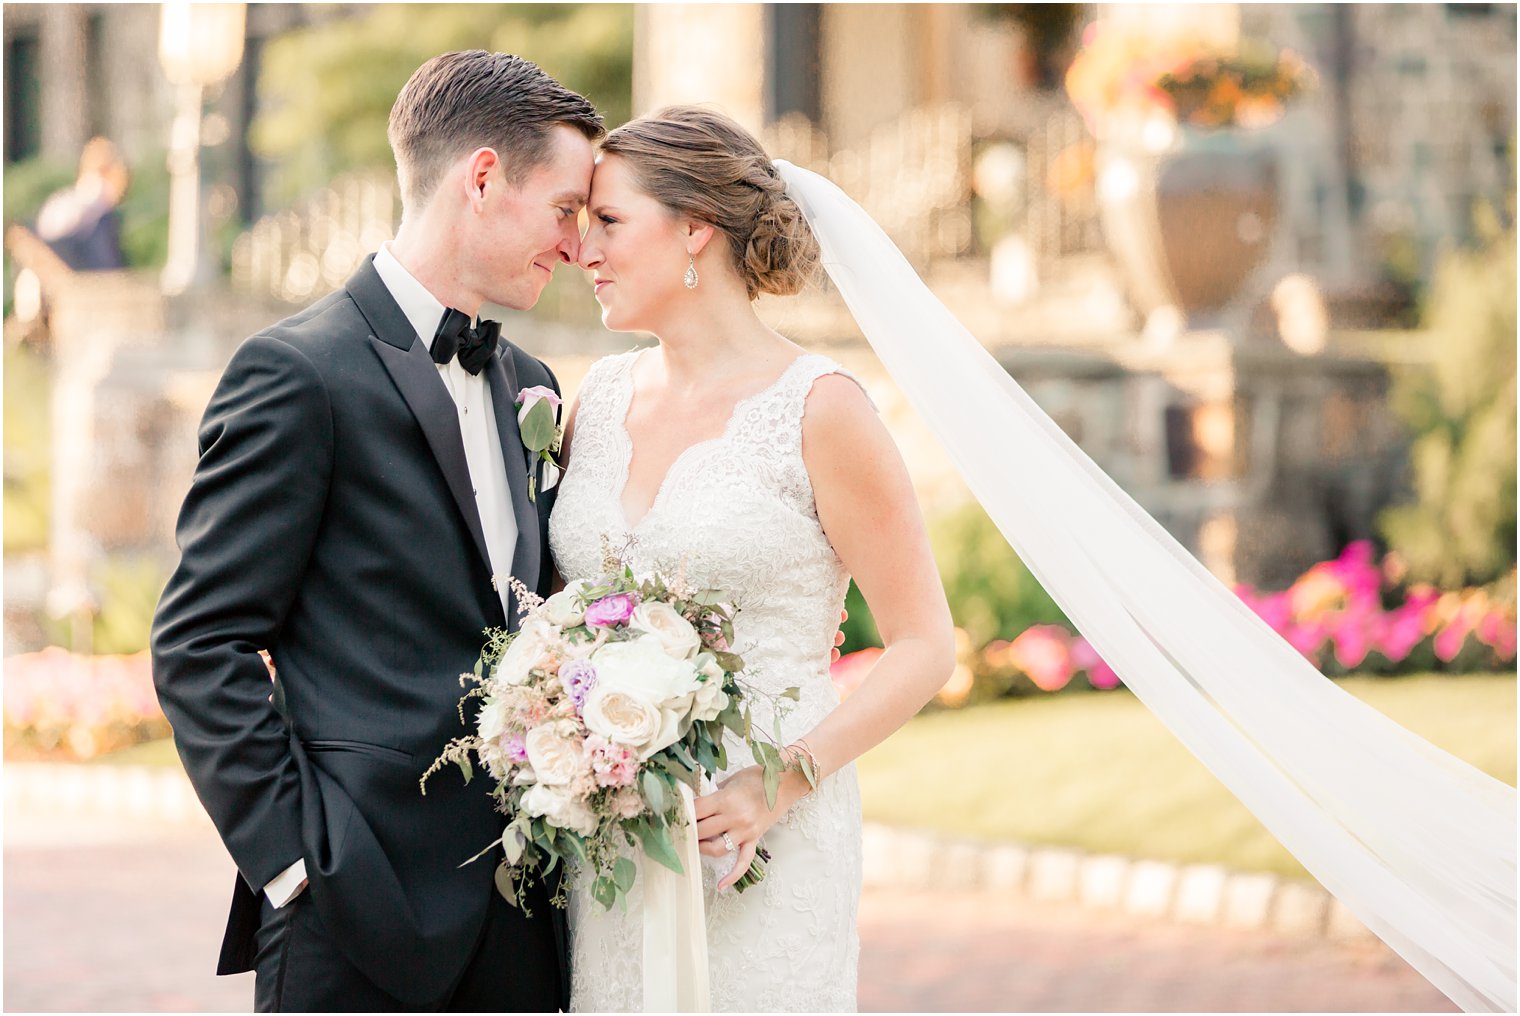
{"points": [[458, 102]]}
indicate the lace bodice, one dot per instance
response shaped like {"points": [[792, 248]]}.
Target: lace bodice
{"points": [[736, 512]]}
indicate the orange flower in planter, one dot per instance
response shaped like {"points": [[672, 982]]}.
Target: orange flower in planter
{"points": [[1127, 73]]}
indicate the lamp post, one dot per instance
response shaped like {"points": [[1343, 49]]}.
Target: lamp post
{"points": [[199, 45]]}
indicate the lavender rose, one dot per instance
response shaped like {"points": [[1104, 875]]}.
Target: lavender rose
{"points": [[610, 611], [578, 676], [530, 397]]}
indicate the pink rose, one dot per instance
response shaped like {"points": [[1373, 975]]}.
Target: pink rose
{"points": [[610, 611], [530, 397], [613, 764]]}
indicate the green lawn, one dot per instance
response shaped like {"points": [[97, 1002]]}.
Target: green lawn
{"points": [[1099, 772]]}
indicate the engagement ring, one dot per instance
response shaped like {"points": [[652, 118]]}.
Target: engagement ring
{"points": [[728, 841]]}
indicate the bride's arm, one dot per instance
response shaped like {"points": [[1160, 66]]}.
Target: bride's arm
{"points": [[868, 511]]}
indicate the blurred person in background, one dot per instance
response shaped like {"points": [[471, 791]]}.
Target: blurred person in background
{"points": [[81, 222]]}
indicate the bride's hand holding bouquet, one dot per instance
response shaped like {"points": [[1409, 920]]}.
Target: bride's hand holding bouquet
{"points": [[601, 715]]}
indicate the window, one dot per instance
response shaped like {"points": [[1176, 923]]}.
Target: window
{"points": [[23, 97]]}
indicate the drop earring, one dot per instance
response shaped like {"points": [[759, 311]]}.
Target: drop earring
{"points": [[690, 278]]}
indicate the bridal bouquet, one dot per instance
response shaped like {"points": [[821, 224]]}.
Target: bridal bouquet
{"points": [[608, 698]]}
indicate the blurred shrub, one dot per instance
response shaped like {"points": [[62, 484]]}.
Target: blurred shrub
{"points": [[990, 591], [126, 589], [145, 213], [326, 91], [129, 588], [1460, 528], [61, 704], [27, 469], [992, 594], [28, 184], [860, 630]]}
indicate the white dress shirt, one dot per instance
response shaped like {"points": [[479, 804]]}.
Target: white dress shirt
{"points": [[482, 451]]}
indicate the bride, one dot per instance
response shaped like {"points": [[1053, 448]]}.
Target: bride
{"points": [[730, 452], [765, 471]]}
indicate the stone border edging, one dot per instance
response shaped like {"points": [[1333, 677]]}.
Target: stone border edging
{"points": [[152, 793], [897, 857], [1206, 894]]}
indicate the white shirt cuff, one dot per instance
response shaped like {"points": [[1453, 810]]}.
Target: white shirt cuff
{"points": [[285, 886]]}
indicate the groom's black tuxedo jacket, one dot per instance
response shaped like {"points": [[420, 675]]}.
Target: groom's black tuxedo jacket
{"points": [[331, 521]]}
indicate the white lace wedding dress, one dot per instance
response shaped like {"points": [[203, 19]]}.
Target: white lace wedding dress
{"points": [[738, 511]]}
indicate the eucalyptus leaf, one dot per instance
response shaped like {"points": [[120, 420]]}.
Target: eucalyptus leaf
{"points": [[654, 791], [505, 884], [512, 844], [658, 846], [575, 847], [794, 693], [538, 426], [604, 891], [729, 662], [623, 873], [772, 779], [807, 770]]}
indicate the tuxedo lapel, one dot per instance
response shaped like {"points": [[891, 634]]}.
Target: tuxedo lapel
{"points": [[415, 375], [501, 377]]}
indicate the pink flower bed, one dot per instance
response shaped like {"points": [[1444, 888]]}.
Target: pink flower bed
{"points": [[61, 704], [1351, 613], [1347, 614]]}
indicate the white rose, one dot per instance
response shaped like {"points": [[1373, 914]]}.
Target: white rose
{"points": [[710, 698], [635, 679], [674, 632], [559, 808], [492, 720], [554, 752], [620, 717], [533, 640], [564, 607]]}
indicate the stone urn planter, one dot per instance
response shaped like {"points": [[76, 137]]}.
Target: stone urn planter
{"points": [[1189, 224]]}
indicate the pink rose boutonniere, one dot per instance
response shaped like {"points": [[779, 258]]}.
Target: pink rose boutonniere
{"points": [[542, 433]]}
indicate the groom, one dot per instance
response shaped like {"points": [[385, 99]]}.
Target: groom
{"points": [[362, 496]]}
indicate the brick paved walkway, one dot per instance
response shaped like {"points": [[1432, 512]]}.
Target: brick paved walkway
{"points": [[130, 919]]}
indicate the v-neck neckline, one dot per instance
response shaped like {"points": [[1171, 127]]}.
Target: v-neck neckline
{"points": [[621, 487]]}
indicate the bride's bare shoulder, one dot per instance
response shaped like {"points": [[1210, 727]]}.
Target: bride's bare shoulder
{"points": [[838, 416]]}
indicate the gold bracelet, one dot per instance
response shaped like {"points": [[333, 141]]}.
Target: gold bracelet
{"points": [[800, 747]]}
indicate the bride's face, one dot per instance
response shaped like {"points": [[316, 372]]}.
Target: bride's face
{"points": [[634, 251]]}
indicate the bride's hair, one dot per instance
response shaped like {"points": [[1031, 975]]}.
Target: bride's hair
{"points": [[700, 163]]}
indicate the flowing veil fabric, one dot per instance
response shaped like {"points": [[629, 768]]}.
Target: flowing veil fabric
{"points": [[1418, 844]]}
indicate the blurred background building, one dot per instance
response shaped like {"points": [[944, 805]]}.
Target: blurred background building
{"points": [[1207, 238]]}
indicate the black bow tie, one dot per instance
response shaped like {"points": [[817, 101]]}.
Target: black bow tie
{"points": [[474, 345]]}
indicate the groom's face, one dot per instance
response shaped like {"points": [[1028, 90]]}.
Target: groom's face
{"points": [[525, 231]]}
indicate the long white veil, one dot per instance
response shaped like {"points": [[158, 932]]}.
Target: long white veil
{"points": [[1418, 844]]}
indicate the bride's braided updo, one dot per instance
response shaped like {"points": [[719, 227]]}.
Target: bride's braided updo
{"points": [[700, 163]]}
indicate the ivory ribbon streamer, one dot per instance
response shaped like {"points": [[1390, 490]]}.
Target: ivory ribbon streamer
{"points": [[675, 926]]}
